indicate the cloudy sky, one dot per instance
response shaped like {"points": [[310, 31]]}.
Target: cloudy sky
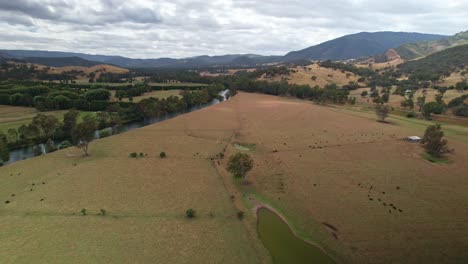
{"points": [[183, 28]]}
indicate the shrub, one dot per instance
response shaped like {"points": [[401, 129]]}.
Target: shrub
{"points": [[239, 164], [50, 146], [83, 211], [105, 132], [37, 151], [97, 94], [142, 154], [65, 144], [133, 155], [190, 213], [240, 215], [103, 212], [411, 114], [461, 110], [162, 155], [364, 93], [1, 163]]}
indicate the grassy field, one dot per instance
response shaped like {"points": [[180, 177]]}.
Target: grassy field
{"points": [[395, 100], [155, 94], [318, 166], [15, 116], [145, 200], [324, 76]]}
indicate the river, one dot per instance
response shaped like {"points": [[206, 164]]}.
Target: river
{"points": [[27, 152]]}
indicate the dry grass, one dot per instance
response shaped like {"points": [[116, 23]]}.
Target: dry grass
{"points": [[314, 164], [320, 165], [453, 79], [145, 200], [324, 76], [395, 100], [15, 116], [155, 94]]}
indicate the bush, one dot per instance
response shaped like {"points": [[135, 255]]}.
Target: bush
{"points": [[37, 151], [411, 114], [50, 146], [364, 93], [97, 94], [190, 213], [1, 163], [103, 212], [106, 132], [81, 104], [133, 155], [65, 144], [162, 155], [98, 105], [240, 215], [461, 110]]}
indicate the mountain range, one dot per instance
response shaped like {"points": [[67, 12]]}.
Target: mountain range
{"points": [[352, 46]]}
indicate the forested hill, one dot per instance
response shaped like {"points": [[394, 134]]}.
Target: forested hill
{"points": [[439, 63], [420, 49], [358, 45]]}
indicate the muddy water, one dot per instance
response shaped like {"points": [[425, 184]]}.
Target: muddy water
{"points": [[283, 245]]}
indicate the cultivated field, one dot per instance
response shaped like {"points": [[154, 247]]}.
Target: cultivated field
{"points": [[15, 116], [155, 94], [324, 76], [341, 179]]}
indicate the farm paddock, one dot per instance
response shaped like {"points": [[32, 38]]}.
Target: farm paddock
{"points": [[343, 180]]}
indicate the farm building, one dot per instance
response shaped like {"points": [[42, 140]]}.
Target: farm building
{"points": [[414, 139]]}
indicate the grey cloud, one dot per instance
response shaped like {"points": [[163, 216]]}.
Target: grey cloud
{"points": [[183, 28]]}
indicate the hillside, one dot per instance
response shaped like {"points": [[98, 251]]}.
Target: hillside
{"points": [[420, 49], [358, 45], [56, 58], [313, 75], [61, 61], [441, 63]]}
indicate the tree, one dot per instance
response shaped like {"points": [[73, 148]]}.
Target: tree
{"points": [[190, 213], [12, 135], [69, 122], [46, 124], [83, 133], [434, 142], [439, 98], [364, 93], [239, 164], [4, 152], [382, 110], [408, 103], [37, 150], [420, 101], [462, 85], [50, 146], [432, 108]]}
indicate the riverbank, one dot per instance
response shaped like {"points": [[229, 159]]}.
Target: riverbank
{"points": [[27, 151]]}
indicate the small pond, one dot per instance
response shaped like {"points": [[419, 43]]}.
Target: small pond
{"points": [[283, 245]]}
